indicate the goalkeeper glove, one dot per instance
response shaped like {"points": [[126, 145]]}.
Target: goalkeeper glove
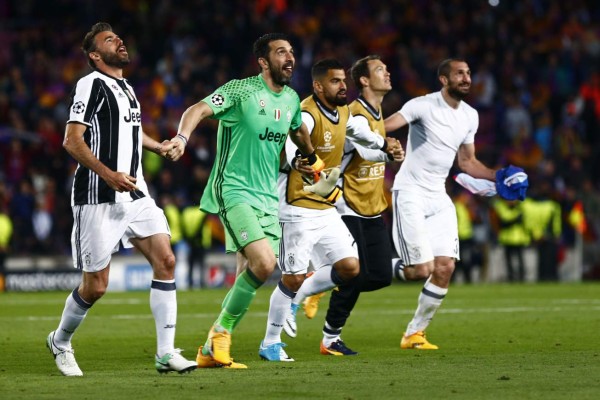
{"points": [[314, 161], [326, 186], [512, 183]]}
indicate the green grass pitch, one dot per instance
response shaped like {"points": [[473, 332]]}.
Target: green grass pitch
{"points": [[496, 342]]}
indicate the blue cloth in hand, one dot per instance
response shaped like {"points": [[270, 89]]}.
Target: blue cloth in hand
{"points": [[512, 183]]}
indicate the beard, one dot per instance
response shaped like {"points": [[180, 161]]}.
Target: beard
{"points": [[456, 93], [114, 59], [338, 99], [278, 76]]}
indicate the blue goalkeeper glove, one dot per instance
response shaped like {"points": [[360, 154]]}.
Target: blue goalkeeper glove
{"points": [[327, 187], [512, 183]]}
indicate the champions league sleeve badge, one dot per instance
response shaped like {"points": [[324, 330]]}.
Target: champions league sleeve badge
{"points": [[78, 107], [217, 99]]}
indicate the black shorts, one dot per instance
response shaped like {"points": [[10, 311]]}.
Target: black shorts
{"points": [[374, 247]]}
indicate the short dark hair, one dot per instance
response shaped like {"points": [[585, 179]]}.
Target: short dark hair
{"points": [[89, 41], [361, 68], [261, 45], [444, 67], [320, 68]]}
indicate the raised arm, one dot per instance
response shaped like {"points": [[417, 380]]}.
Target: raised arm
{"points": [[372, 154], [189, 121], [378, 155], [394, 122], [360, 133]]}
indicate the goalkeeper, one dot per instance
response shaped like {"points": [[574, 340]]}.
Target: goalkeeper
{"points": [[255, 116], [312, 230]]}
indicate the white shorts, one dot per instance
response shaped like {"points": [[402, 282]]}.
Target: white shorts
{"points": [[320, 241], [425, 227], [98, 229]]}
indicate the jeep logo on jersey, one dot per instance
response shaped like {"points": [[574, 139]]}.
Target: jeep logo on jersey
{"points": [[217, 100], [134, 116], [272, 136]]}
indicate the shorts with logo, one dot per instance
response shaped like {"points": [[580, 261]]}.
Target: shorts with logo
{"points": [[425, 226], [99, 229], [320, 241], [245, 224]]}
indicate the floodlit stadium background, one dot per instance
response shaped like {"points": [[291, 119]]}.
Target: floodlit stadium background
{"points": [[536, 85]]}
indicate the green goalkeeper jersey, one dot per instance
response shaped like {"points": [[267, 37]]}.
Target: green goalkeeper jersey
{"points": [[254, 122]]}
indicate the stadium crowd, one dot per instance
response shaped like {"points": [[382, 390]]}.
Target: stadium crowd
{"points": [[536, 85]]}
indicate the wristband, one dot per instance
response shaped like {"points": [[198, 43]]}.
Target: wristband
{"points": [[385, 145], [312, 158], [334, 195], [183, 139]]}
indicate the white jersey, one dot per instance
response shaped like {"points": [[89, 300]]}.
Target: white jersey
{"points": [[435, 134], [109, 109]]}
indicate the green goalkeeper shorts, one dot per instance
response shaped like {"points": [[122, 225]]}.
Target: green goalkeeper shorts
{"points": [[245, 224]]}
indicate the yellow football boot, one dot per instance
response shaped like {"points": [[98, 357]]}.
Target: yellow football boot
{"points": [[209, 362], [416, 341], [219, 341], [311, 305]]}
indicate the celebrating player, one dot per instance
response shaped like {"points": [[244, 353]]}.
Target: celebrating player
{"points": [[425, 230], [312, 229], [110, 200], [363, 202], [255, 115]]}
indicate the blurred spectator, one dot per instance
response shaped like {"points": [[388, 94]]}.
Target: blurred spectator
{"points": [[517, 121], [42, 223], [6, 231], [542, 133], [536, 83], [197, 233], [590, 210], [22, 206], [543, 219], [590, 198], [173, 215], [513, 236], [471, 256], [16, 162]]}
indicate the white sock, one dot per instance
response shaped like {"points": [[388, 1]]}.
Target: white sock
{"points": [[330, 334], [163, 303], [73, 314], [430, 299], [279, 307], [398, 269], [318, 282]]}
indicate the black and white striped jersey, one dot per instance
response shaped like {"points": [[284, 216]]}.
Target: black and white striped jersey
{"points": [[112, 114]]}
